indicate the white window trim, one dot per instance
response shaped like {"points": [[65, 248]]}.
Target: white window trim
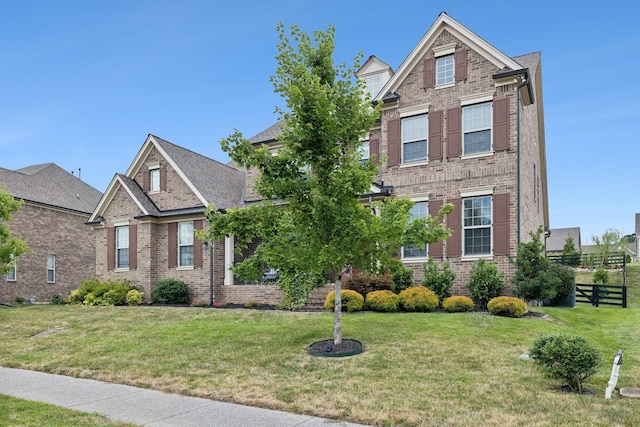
{"points": [[479, 192], [406, 114], [446, 49], [178, 245], [15, 273], [154, 167], [490, 152], [51, 269], [477, 98], [116, 224], [416, 199], [447, 84]]}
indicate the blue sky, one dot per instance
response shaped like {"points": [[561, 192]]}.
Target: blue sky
{"points": [[82, 83]]}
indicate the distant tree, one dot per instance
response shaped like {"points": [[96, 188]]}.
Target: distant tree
{"points": [[609, 242], [318, 226], [11, 247], [630, 238], [569, 247]]}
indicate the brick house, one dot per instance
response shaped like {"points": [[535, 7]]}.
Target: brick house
{"points": [[52, 222], [461, 123], [144, 224]]}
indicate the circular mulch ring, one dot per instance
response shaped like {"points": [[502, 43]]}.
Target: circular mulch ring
{"points": [[326, 348]]}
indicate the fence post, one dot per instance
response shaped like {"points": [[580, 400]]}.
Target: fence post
{"points": [[596, 295]]}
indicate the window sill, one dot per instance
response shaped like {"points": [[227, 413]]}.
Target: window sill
{"points": [[185, 267], [444, 86], [468, 258], [416, 259], [477, 155], [121, 270], [411, 164]]}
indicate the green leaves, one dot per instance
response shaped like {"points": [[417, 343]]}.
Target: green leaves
{"points": [[11, 247]]}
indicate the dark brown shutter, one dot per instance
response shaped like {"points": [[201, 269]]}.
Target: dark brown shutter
{"points": [[501, 224], [429, 72], [197, 244], [435, 249], [133, 246], [393, 142], [145, 181], [500, 124], [454, 133], [374, 148], [172, 249], [111, 248], [454, 223], [460, 60], [163, 178], [435, 135]]}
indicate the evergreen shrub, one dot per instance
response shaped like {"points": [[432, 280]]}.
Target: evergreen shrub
{"points": [[507, 306], [351, 300], [170, 291], [384, 301], [418, 298], [485, 282], [457, 304]]}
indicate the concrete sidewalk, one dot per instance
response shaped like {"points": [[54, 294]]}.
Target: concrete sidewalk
{"points": [[145, 407]]}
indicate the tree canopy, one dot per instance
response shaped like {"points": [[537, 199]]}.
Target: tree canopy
{"points": [[11, 247], [312, 222]]}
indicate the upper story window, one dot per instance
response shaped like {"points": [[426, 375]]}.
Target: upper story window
{"points": [[185, 244], [122, 246], [364, 151], [445, 70], [414, 138], [477, 225], [154, 179], [418, 210], [476, 126], [51, 268], [374, 84], [11, 273]]}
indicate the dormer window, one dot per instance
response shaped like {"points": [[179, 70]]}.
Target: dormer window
{"points": [[374, 84], [154, 180]]}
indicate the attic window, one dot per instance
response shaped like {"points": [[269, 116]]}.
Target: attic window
{"points": [[154, 179], [444, 70], [374, 84]]}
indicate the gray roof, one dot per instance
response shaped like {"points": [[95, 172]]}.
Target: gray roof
{"points": [[140, 195], [558, 236], [220, 184], [529, 60], [51, 185], [269, 134]]}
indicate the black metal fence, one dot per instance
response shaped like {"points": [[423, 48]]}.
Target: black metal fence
{"points": [[598, 295]]}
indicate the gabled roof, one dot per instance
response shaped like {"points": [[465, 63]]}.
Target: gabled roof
{"points": [[270, 134], [555, 241], [211, 181], [51, 185], [445, 22]]}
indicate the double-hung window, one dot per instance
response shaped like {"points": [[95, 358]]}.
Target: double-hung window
{"points": [[185, 244], [122, 246], [418, 210], [11, 273], [445, 70], [374, 84], [477, 224], [51, 268], [364, 151], [476, 125], [154, 179], [414, 138]]}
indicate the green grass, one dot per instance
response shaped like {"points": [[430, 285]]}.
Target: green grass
{"points": [[18, 412], [417, 368]]}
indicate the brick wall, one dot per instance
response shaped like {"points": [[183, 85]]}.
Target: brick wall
{"points": [[50, 231]]}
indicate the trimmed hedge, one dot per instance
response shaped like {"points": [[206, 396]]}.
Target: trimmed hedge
{"points": [[170, 291], [457, 304], [418, 298], [507, 306], [95, 292], [384, 301], [351, 300]]}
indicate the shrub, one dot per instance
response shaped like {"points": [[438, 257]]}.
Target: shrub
{"points": [[485, 282], [385, 301], [566, 357], [351, 300], [418, 298], [135, 297], [95, 292], [601, 276], [402, 279], [170, 291], [567, 283], [57, 299], [533, 278], [439, 282], [507, 306], [297, 286], [363, 283], [457, 304]]}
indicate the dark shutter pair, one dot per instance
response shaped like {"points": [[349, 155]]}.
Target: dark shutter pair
{"points": [[460, 72], [394, 144], [146, 185]]}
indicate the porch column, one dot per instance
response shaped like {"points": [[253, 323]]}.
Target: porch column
{"points": [[228, 260]]}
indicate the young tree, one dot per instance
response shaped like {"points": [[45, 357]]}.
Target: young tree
{"points": [[533, 278], [312, 221], [610, 241], [11, 247]]}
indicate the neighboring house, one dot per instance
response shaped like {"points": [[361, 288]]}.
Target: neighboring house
{"points": [[145, 222], [557, 238], [461, 123], [52, 222]]}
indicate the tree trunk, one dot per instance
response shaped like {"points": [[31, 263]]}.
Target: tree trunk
{"points": [[337, 313]]}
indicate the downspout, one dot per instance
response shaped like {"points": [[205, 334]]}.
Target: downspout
{"points": [[520, 86]]}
